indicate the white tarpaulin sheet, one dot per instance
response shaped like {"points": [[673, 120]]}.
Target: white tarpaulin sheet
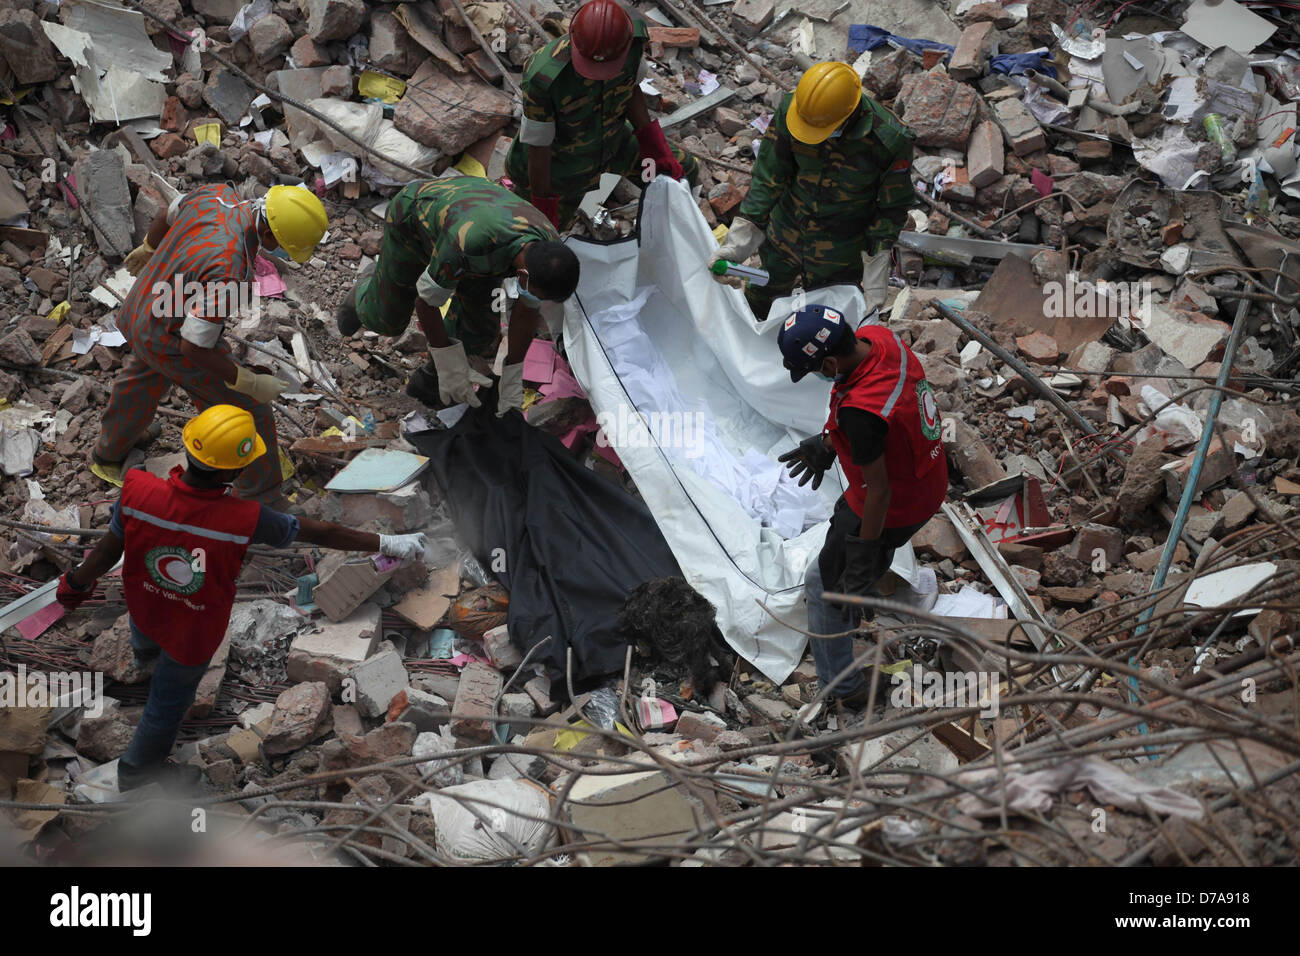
{"points": [[665, 352]]}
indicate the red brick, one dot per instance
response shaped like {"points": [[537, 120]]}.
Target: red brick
{"points": [[478, 689], [168, 145], [174, 115]]}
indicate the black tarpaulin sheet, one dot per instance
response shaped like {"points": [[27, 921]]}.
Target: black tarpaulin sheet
{"points": [[573, 546]]}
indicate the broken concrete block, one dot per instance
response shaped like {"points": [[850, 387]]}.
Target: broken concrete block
{"points": [[19, 348], [728, 121], [1189, 337], [701, 725], [501, 651], [345, 582], [382, 743], [217, 11], [336, 81], [767, 708], [939, 539], [1143, 479], [205, 697], [939, 110], [1094, 538], [377, 681], [260, 633], [969, 60], [347, 720], [984, 154], [1236, 511], [302, 714], [1039, 347], [26, 49], [427, 711], [1021, 129], [333, 19], [406, 509], [971, 458], [106, 190], [307, 53], [269, 37], [475, 697], [450, 114], [330, 653], [105, 737], [391, 47], [1092, 357], [112, 656], [629, 808], [751, 17], [1219, 464], [518, 709], [228, 95]]}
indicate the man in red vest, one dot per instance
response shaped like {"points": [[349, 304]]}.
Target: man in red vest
{"points": [[184, 541], [884, 428]]}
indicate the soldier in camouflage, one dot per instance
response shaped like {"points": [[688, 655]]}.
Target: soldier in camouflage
{"points": [[584, 114], [451, 243], [829, 194]]}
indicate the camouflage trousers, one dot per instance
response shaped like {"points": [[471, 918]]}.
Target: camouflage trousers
{"points": [[810, 257], [573, 178], [386, 297]]}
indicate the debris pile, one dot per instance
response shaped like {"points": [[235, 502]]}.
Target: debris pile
{"points": [[1101, 278]]}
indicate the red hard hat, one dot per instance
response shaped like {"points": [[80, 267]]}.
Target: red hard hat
{"points": [[600, 37]]}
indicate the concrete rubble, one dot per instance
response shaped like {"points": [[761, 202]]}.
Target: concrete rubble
{"points": [[1137, 238]]}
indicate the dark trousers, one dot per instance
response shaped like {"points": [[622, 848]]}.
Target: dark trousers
{"points": [[834, 656]]}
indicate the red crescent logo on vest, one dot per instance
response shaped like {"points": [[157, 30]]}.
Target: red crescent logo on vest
{"points": [[173, 569], [929, 410]]}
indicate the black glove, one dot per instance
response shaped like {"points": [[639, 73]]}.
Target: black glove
{"points": [[810, 459], [861, 566]]}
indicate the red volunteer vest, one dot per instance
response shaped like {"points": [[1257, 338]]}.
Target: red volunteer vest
{"points": [[184, 550], [891, 383]]}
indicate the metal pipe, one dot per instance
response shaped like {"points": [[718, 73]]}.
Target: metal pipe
{"points": [[1023, 370], [1193, 479], [1049, 83]]}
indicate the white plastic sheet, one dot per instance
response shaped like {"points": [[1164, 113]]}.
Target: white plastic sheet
{"points": [[727, 364]]}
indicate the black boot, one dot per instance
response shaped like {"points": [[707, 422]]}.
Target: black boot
{"points": [[423, 385], [346, 314]]}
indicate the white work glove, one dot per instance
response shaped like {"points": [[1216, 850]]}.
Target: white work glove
{"points": [[741, 242], [405, 546], [454, 385], [260, 388], [875, 279], [510, 393], [138, 257]]}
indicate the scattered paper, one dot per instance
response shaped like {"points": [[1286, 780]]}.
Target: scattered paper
{"points": [[107, 335], [1226, 23], [648, 88], [386, 89], [208, 133], [708, 82]]}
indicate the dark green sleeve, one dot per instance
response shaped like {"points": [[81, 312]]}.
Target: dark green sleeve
{"points": [[896, 197], [773, 171]]}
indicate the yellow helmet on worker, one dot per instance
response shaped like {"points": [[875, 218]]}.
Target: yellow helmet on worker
{"points": [[297, 219], [826, 96], [223, 437]]}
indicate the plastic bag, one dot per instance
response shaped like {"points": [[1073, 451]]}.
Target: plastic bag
{"points": [[479, 610], [439, 773], [505, 813]]}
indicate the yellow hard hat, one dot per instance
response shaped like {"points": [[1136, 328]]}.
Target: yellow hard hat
{"points": [[826, 96], [297, 218], [223, 437]]}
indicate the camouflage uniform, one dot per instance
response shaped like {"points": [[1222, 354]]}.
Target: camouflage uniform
{"points": [[821, 207], [584, 122], [466, 232]]}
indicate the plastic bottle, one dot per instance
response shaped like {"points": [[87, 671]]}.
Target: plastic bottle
{"points": [[1257, 198], [724, 268], [1213, 123]]}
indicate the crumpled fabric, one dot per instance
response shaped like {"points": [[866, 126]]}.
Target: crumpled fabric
{"points": [[757, 483], [1033, 792], [863, 38], [1013, 64]]}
